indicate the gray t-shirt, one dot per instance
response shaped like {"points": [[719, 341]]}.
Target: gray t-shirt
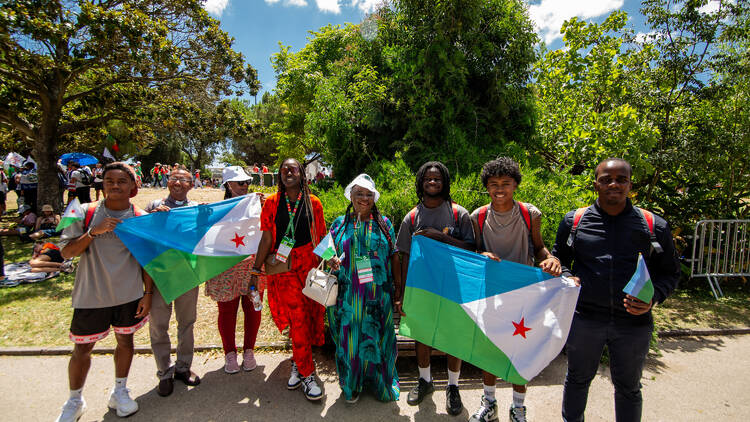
{"points": [[171, 203], [505, 233], [108, 274], [437, 218]]}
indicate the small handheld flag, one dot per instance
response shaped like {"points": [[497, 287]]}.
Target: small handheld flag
{"points": [[326, 249], [640, 284], [72, 213]]}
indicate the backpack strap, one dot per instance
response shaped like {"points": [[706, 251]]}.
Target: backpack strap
{"points": [[413, 216], [90, 210], [525, 214], [576, 220], [648, 218], [481, 219], [454, 206], [138, 211]]}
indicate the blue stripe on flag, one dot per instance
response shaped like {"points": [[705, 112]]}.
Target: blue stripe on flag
{"points": [[433, 264], [153, 234]]}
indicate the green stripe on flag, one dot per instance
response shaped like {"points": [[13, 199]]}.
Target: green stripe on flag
{"points": [[176, 272], [65, 222], [443, 324], [647, 291]]}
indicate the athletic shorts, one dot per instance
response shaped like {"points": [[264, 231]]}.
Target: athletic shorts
{"points": [[98, 185], [92, 325], [54, 255]]}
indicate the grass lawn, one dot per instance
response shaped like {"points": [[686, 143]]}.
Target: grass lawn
{"points": [[39, 314]]}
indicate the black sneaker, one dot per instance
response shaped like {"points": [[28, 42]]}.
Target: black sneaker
{"points": [[453, 400], [417, 394]]}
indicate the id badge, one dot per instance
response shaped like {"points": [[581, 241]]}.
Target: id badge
{"points": [[285, 248], [364, 269]]}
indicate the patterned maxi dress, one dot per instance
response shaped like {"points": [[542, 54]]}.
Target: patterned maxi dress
{"points": [[361, 323]]}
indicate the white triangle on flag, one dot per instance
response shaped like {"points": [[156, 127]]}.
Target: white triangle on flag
{"points": [[547, 311]]}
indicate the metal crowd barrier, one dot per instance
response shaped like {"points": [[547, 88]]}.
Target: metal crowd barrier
{"points": [[720, 249]]}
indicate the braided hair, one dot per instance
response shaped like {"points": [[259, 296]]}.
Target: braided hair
{"points": [[304, 188], [376, 215], [445, 193]]}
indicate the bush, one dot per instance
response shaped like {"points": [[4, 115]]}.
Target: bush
{"points": [[554, 194]]}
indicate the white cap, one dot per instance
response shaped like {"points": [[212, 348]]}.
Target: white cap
{"points": [[365, 181], [234, 174], [23, 208]]}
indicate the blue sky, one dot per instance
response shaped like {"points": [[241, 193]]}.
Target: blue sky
{"points": [[259, 25]]}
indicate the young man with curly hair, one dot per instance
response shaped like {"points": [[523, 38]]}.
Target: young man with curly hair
{"points": [[509, 230]]}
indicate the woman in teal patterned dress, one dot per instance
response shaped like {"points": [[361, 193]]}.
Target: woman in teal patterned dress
{"points": [[361, 323]]}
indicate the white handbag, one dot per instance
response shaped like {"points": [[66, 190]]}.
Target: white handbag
{"points": [[321, 286]]}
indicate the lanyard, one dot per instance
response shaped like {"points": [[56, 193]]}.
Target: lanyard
{"points": [[292, 213], [367, 239]]}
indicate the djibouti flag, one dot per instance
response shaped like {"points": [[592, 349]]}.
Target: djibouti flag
{"points": [[509, 319], [184, 247], [640, 284], [326, 249], [74, 212]]}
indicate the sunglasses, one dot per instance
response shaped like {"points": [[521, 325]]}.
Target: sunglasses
{"points": [[243, 183]]}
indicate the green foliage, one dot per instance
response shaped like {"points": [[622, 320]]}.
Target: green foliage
{"points": [[440, 80], [69, 67], [647, 99]]}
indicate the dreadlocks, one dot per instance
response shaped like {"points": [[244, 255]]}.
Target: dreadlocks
{"points": [[304, 188], [444, 173]]}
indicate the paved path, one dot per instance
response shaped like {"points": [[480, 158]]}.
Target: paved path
{"points": [[694, 379]]}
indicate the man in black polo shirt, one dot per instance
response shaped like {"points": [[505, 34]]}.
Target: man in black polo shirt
{"points": [[603, 251]]}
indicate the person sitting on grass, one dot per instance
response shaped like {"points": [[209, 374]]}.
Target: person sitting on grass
{"points": [[26, 223], [111, 290], [46, 224]]}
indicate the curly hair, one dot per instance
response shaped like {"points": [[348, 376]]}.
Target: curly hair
{"points": [[445, 193], [119, 165], [499, 167]]}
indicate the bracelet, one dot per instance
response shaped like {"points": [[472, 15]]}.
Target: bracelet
{"points": [[88, 232], [148, 293], [255, 271]]}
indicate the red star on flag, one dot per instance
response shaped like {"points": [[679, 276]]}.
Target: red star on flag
{"points": [[520, 328], [238, 240], [72, 211]]}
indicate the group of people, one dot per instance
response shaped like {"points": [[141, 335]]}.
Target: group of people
{"points": [[597, 246]]}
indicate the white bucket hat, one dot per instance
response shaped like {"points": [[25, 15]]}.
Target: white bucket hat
{"points": [[234, 174], [364, 181]]}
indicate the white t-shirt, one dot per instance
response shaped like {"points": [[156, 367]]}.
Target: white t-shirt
{"points": [[78, 176]]}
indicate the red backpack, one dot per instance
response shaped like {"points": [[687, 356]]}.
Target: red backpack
{"points": [[646, 216], [525, 216]]}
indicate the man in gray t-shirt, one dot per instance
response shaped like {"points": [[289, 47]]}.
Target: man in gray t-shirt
{"points": [[179, 184], [111, 289], [437, 218]]}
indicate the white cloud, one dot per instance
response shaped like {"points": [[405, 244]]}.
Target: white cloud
{"points": [[331, 6], [298, 3], [366, 5], [710, 7], [215, 7], [549, 15]]}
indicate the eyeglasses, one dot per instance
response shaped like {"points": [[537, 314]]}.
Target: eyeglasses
{"points": [[178, 179], [287, 170]]}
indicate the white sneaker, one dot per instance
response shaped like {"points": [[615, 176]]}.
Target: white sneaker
{"points": [[311, 388], [72, 410], [487, 411], [230, 363], [120, 400], [295, 379], [248, 360]]}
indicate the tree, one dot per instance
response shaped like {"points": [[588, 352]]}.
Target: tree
{"points": [[69, 67], [439, 80], [257, 144]]}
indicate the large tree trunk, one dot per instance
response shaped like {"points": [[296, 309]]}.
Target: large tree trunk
{"points": [[45, 154]]}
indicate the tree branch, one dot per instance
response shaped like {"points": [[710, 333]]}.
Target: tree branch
{"points": [[16, 121]]}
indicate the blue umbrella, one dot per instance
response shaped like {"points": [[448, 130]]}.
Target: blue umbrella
{"points": [[83, 159]]}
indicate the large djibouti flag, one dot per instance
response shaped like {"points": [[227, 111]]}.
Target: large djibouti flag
{"points": [[184, 247], [509, 319]]}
